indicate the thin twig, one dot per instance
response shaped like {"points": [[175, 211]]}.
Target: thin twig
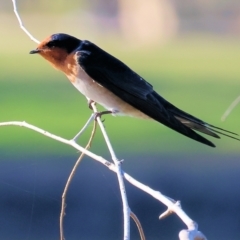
{"points": [[139, 226], [170, 203], [185, 234], [52, 136], [230, 108], [63, 207], [126, 210], [84, 127], [21, 23]]}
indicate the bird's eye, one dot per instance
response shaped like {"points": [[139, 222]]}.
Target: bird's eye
{"points": [[51, 44]]}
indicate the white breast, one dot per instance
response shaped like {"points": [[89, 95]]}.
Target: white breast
{"points": [[94, 91]]}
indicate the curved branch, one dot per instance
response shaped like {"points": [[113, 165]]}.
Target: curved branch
{"points": [[63, 206], [139, 226], [21, 23], [173, 206], [230, 108], [126, 210]]}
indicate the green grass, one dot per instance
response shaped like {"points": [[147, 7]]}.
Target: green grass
{"points": [[199, 74]]}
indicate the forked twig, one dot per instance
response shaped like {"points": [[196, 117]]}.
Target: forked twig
{"points": [[63, 205], [191, 233], [126, 212], [172, 205], [117, 163]]}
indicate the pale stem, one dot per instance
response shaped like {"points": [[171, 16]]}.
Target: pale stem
{"points": [[63, 206], [230, 108], [172, 205], [139, 226], [126, 211], [21, 23], [191, 234]]}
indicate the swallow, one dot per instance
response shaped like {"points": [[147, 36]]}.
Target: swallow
{"points": [[107, 81]]}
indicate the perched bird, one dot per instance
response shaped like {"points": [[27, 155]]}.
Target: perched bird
{"points": [[107, 81]]}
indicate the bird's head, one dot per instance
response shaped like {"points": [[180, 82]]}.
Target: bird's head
{"points": [[56, 48]]}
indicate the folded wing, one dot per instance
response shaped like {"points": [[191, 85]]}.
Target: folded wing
{"points": [[133, 89]]}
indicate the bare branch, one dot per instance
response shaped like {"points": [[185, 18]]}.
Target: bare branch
{"points": [[126, 211], [191, 235], [118, 170], [21, 23], [170, 203], [139, 226], [63, 206], [230, 108], [55, 137]]}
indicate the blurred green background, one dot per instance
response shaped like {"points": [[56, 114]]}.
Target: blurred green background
{"points": [[188, 50], [198, 71]]}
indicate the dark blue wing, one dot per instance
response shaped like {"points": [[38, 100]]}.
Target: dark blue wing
{"points": [[118, 78]]}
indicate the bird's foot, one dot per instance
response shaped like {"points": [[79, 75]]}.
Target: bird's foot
{"points": [[99, 114], [90, 103]]}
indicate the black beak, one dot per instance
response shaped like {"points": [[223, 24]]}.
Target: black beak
{"points": [[34, 51]]}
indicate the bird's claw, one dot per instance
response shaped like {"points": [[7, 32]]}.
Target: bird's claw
{"points": [[90, 103], [99, 114]]}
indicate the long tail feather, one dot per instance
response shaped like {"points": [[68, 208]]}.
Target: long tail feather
{"points": [[199, 125], [227, 135], [222, 130]]}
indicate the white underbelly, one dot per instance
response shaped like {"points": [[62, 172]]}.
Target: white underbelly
{"points": [[92, 90], [97, 93]]}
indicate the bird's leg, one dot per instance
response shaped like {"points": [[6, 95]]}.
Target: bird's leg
{"points": [[99, 114], [90, 103]]}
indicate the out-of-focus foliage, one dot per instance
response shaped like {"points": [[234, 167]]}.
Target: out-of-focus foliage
{"points": [[193, 61], [196, 71]]}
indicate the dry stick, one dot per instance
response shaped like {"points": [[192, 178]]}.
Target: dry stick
{"points": [[172, 205], [139, 226], [21, 23], [189, 234], [126, 212], [63, 207], [230, 108]]}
